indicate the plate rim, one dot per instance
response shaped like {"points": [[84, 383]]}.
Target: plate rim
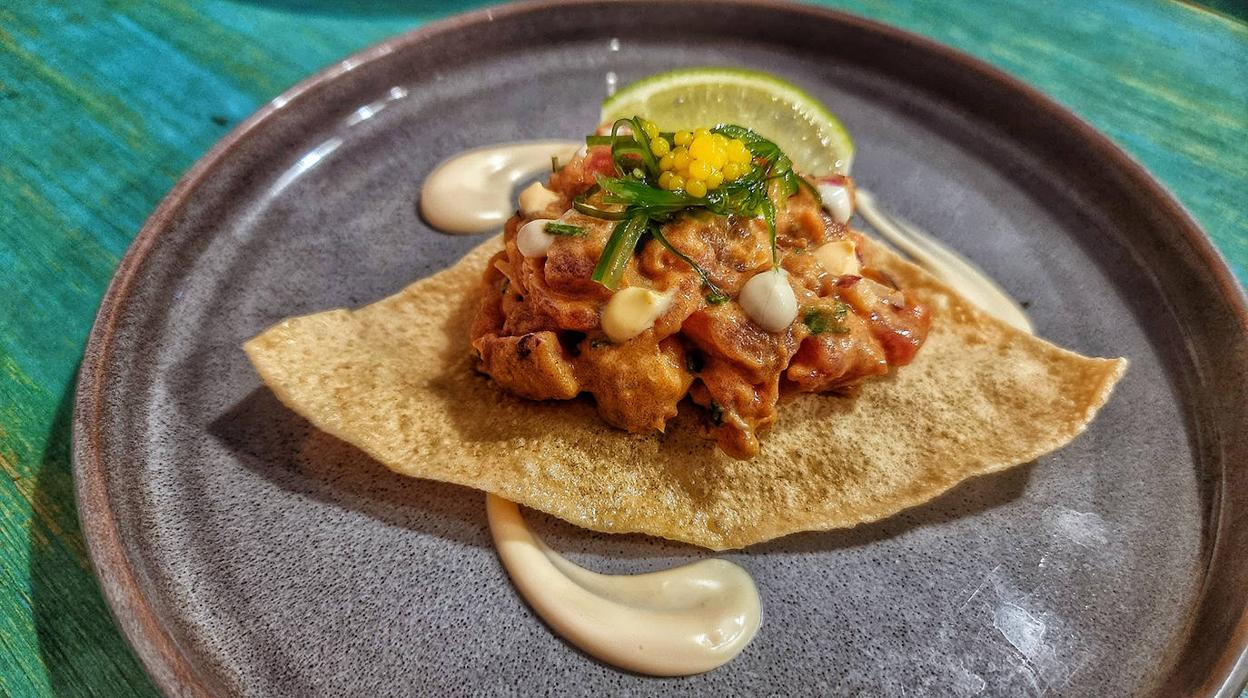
{"points": [[170, 670]]}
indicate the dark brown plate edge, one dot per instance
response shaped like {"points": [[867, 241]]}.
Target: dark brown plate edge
{"points": [[174, 674]]}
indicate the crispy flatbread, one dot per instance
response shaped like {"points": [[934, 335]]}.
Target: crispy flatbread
{"points": [[396, 380]]}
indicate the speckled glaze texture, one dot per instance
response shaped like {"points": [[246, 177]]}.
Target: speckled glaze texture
{"points": [[246, 554]]}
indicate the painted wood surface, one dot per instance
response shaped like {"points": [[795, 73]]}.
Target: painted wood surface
{"points": [[104, 103]]}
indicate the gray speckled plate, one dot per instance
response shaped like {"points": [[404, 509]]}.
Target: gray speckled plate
{"points": [[244, 553]]}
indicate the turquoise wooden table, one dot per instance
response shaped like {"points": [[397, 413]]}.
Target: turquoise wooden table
{"points": [[104, 103]]}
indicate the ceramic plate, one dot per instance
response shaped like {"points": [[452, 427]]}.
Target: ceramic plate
{"points": [[245, 553]]}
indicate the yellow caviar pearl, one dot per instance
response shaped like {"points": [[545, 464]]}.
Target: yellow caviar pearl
{"points": [[695, 187], [660, 147], [718, 157], [701, 147], [680, 158], [667, 162], [700, 169], [650, 128], [721, 141], [714, 180], [677, 181], [699, 132], [682, 137], [731, 171], [665, 181], [738, 153]]}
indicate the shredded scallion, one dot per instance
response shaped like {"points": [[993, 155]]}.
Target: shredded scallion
{"points": [[638, 204], [564, 229]]}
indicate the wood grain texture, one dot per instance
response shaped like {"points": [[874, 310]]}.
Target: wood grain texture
{"points": [[104, 103]]}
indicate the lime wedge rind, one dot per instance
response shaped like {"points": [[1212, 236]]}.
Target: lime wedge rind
{"points": [[801, 125]]}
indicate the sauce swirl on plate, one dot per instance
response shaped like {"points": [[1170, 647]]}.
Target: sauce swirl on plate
{"points": [[472, 192], [685, 620]]}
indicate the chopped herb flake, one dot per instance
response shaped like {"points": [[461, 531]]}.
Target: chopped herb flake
{"points": [[564, 229], [821, 320]]}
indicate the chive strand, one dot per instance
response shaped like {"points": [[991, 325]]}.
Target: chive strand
{"points": [[618, 250]]}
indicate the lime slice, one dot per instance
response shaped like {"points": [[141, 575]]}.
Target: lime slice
{"points": [[811, 135]]}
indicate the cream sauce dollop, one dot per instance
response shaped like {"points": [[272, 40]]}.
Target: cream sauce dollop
{"points": [[677, 622], [768, 300], [473, 191], [633, 310]]}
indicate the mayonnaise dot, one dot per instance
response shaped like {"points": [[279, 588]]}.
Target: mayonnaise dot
{"points": [[768, 300], [535, 198], [632, 311], [532, 239], [837, 201]]}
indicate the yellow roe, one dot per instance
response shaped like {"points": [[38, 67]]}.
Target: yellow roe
{"points": [[701, 148], [680, 160], [698, 161]]}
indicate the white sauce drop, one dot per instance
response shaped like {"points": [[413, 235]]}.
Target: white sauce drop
{"points": [[532, 239], [836, 200], [632, 311], [945, 264], [768, 300], [472, 192], [536, 198], [677, 622]]}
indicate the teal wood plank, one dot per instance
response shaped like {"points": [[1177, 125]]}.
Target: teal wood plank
{"points": [[104, 103]]}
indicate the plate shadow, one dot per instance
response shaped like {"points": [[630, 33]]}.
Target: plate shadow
{"points": [[284, 448]]}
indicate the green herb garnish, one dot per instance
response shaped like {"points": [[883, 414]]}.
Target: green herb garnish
{"points": [[619, 249], [564, 229], [821, 320], [640, 205]]}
